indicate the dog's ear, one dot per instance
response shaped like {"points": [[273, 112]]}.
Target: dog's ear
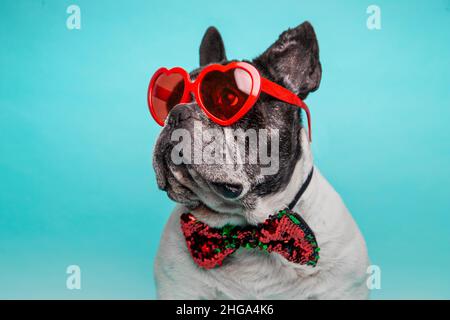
{"points": [[293, 60], [212, 49]]}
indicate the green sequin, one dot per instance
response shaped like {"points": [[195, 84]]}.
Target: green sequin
{"points": [[227, 229], [294, 219]]}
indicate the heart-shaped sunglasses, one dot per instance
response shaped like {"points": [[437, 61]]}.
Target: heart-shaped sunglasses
{"points": [[225, 93]]}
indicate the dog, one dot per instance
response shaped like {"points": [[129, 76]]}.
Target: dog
{"points": [[229, 194]]}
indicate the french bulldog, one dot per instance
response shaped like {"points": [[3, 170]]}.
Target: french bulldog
{"points": [[244, 195]]}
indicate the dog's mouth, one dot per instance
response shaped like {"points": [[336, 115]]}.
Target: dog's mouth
{"points": [[215, 218], [201, 207], [227, 190], [199, 190], [218, 196]]}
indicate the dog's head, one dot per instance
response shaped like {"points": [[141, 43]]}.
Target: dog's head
{"points": [[237, 189]]}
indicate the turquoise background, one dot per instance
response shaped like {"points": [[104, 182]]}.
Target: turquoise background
{"points": [[76, 182]]}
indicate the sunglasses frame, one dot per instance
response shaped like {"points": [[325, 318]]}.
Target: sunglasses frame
{"points": [[259, 84]]}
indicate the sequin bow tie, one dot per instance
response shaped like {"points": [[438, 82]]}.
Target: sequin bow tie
{"points": [[285, 233]]}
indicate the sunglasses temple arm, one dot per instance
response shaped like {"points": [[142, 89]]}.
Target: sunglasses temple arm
{"points": [[283, 94]]}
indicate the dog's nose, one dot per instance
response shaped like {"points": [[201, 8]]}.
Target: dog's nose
{"points": [[228, 190]]}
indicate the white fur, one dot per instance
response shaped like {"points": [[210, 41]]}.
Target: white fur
{"points": [[252, 274]]}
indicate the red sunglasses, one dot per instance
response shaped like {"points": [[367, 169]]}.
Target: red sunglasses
{"points": [[224, 93]]}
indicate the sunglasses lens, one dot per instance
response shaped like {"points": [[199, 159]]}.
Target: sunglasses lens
{"points": [[224, 93], [167, 92]]}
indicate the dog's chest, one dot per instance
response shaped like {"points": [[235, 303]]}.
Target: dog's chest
{"points": [[252, 274]]}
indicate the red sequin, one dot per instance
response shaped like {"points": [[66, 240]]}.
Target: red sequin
{"points": [[285, 233]]}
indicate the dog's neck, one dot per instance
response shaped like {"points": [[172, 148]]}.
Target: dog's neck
{"points": [[302, 190], [274, 202]]}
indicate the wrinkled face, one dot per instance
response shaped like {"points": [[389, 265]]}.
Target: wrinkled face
{"points": [[220, 170]]}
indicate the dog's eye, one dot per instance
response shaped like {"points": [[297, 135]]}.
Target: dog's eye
{"points": [[228, 98]]}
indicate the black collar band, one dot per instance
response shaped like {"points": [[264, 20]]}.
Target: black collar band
{"points": [[301, 190]]}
